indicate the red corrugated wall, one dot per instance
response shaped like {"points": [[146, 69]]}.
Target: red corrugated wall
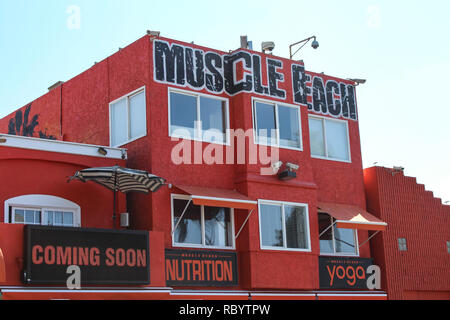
{"points": [[423, 271]]}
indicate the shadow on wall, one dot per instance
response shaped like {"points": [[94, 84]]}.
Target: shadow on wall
{"points": [[19, 125]]}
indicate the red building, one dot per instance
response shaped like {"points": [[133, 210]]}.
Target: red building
{"points": [[415, 249], [264, 194]]}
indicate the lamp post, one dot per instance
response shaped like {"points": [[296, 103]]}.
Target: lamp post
{"points": [[314, 44]]}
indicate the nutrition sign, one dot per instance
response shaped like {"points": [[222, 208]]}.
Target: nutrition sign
{"points": [[103, 256], [201, 268]]}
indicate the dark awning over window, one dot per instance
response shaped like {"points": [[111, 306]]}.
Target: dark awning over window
{"points": [[352, 217]]}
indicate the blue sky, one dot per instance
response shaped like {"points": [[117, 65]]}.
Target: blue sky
{"points": [[402, 48]]}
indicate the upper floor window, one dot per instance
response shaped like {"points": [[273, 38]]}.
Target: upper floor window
{"points": [[128, 118], [284, 225], [42, 210], [201, 226], [329, 138], [198, 117], [336, 241], [277, 124]]}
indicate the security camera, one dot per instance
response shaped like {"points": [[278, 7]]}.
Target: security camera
{"points": [[399, 168], [277, 165], [315, 44], [267, 46], [292, 166]]}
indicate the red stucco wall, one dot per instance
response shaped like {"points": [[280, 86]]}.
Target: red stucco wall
{"points": [[411, 212]]}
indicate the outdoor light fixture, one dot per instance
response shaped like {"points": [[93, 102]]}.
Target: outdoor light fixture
{"points": [[358, 81], [290, 172], [314, 45], [102, 151]]}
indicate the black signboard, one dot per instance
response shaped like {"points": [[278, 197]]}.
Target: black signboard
{"points": [[343, 272], [103, 256], [201, 268]]}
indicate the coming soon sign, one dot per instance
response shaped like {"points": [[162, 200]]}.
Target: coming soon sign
{"points": [[103, 256]]}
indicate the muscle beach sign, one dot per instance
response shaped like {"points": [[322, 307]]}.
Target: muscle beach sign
{"points": [[243, 71]]}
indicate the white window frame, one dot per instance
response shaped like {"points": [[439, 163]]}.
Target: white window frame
{"points": [[198, 132], [277, 124], [43, 203], [324, 131], [202, 218], [24, 208], [340, 254], [282, 204], [127, 97]]}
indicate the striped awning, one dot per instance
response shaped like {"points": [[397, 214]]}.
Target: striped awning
{"points": [[121, 179]]}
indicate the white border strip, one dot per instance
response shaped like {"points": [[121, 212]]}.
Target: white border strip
{"points": [[61, 147], [358, 222], [224, 199]]}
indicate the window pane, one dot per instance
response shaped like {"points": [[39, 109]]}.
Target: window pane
{"points": [[119, 118], [289, 126], [29, 216], [218, 227], [137, 115], [271, 226], [58, 218], [295, 221], [265, 121], [49, 218], [68, 218], [316, 137], [189, 230], [337, 146], [344, 240], [183, 114], [326, 239], [19, 216], [213, 117]]}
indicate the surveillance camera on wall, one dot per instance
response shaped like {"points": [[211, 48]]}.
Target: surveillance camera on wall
{"points": [[267, 46], [292, 166], [277, 165]]}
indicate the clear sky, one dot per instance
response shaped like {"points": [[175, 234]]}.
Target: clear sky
{"points": [[401, 47]]}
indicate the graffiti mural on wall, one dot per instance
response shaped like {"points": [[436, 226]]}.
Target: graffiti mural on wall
{"points": [[22, 125]]}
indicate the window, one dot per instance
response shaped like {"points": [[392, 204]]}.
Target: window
{"points": [[198, 117], [284, 226], [448, 246], [402, 244], [277, 124], [128, 118], [42, 210], [42, 217], [201, 226], [329, 139], [336, 241]]}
